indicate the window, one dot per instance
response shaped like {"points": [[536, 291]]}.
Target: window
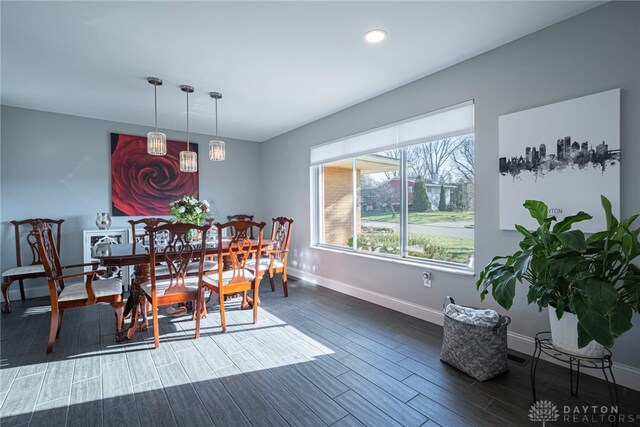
{"points": [[401, 191]]}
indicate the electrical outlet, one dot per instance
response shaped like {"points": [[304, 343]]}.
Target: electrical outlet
{"points": [[426, 278]]}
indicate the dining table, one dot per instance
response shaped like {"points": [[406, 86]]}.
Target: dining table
{"points": [[137, 255]]}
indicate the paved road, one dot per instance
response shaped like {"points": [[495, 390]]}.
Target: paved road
{"points": [[450, 229]]}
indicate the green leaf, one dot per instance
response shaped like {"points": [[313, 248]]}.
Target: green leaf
{"points": [[630, 291], [612, 222], [592, 324], [566, 223], [538, 210], [573, 239], [521, 264], [627, 245], [559, 309], [602, 295], [620, 319], [526, 232], [504, 290], [583, 337], [560, 267]]}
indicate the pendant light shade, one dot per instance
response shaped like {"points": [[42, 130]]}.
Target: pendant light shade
{"points": [[216, 147], [188, 159], [156, 141]]}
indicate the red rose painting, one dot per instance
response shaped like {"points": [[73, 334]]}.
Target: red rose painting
{"points": [[144, 185]]}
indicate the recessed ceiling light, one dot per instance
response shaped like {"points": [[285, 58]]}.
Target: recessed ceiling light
{"points": [[375, 36]]}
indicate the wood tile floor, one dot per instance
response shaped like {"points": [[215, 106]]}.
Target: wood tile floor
{"points": [[316, 358]]}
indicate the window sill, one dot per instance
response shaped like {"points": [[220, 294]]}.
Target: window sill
{"points": [[462, 271]]}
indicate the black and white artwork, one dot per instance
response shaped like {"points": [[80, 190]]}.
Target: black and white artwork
{"points": [[566, 154]]}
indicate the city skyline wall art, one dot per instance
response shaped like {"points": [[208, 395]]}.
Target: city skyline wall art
{"points": [[144, 185], [565, 154]]}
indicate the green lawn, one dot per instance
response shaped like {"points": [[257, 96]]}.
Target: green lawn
{"points": [[419, 217], [442, 248]]}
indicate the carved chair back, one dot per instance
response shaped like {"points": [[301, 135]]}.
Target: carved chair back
{"points": [[48, 255], [144, 236], [178, 252], [240, 248], [281, 235], [242, 217], [28, 226]]}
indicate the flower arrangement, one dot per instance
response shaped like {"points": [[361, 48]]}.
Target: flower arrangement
{"points": [[190, 210]]}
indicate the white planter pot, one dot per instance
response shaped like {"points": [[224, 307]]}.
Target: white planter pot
{"points": [[564, 335]]}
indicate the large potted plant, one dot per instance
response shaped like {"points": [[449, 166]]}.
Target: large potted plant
{"points": [[590, 283]]}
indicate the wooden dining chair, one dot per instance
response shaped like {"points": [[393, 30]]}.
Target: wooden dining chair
{"points": [[180, 284], [242, 217], [24, 233], [276, 260], [238, 248], [82, 292], [140, 232]]}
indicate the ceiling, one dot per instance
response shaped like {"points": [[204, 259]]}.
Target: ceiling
{"points": [[278, 65]]}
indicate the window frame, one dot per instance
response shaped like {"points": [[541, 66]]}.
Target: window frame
{"points": [[317, 217]]}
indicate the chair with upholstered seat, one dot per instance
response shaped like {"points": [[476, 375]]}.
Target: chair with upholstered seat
{"points": [[238, 249], [276, 261], [24, 231], [66, 293], [142, 235], [176, 284]]}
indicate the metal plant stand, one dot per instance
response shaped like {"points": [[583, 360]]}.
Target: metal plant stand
{"points": [[575, 362]]}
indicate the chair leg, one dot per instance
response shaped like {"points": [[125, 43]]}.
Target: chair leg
{"points": [[156, 324], [197, 308], [60, 316], [273, 283], [284, 283], [256, 286], [5, 294], [53, 329], [22, 296], [223, 318]]}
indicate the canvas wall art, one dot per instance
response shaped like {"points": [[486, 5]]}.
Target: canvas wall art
{"points": [[144, 185], [566, 154]]}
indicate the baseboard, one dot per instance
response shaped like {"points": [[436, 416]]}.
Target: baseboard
{"points": [[625, 375]]}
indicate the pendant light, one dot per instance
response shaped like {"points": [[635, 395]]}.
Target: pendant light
{"points": [[156, 141], [216, 147], [188, 159]]}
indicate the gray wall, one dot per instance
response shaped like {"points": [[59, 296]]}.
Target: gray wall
{"points": [[58, 166], [596, 51]]}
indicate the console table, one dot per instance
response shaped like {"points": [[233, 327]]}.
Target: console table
{"points": [[97, 239]]}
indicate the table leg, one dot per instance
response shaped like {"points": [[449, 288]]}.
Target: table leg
{"points": [[180, 311], [138, 300]]}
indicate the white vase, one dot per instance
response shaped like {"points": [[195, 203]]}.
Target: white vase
{"points": [[564, 335]]}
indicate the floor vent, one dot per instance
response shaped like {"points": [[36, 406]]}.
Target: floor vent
{"points": [[517, 359]]}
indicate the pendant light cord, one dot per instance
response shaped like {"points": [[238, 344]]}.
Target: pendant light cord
{"points": [[216, 119], [187, 121], [155, 105]]}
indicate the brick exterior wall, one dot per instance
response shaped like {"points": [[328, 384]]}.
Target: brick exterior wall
{"points": [[338, 205]]}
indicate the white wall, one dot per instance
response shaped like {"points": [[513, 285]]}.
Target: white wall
{"points": [[596, 51], [58, 166]]}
